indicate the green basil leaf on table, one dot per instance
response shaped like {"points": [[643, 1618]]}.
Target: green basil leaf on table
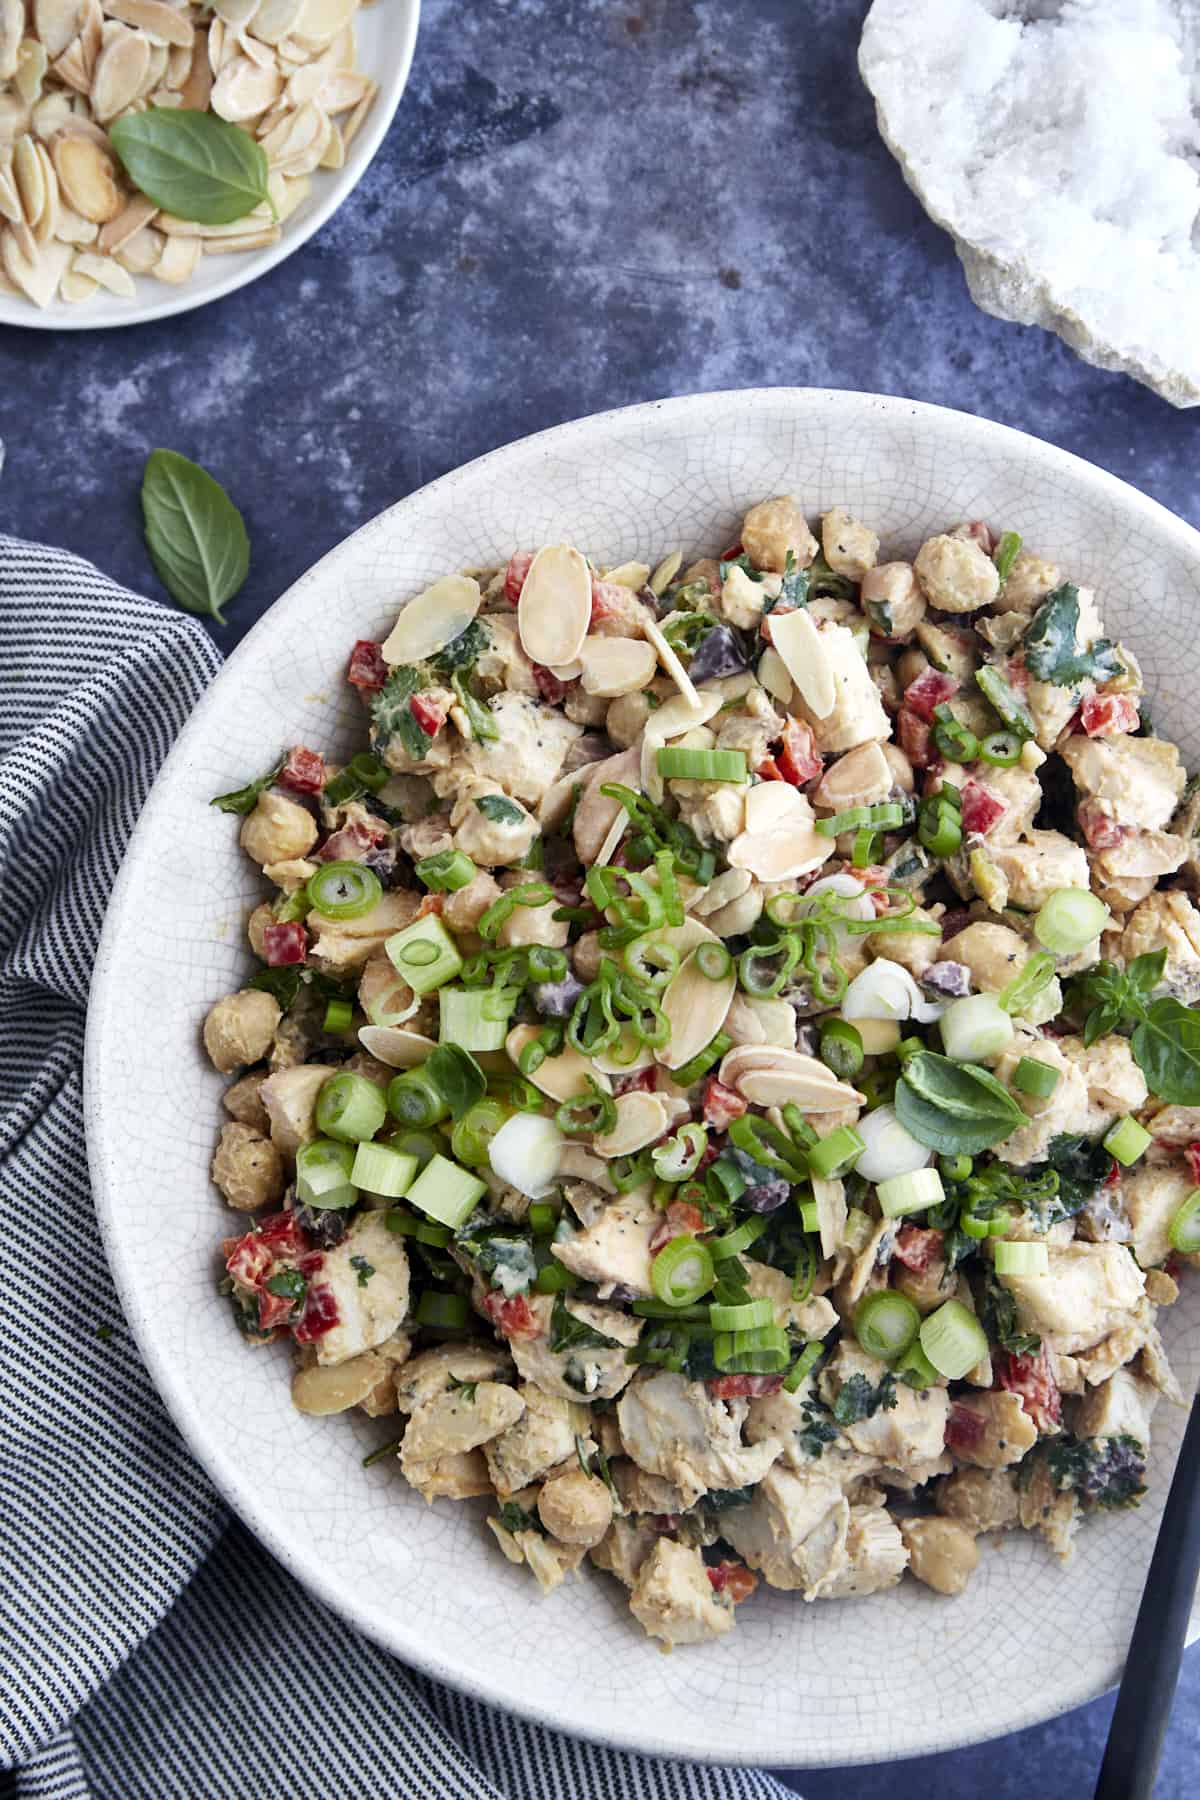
{"points": [[1166, 1047], [195, 534], [192, 164], [954, 1108]]}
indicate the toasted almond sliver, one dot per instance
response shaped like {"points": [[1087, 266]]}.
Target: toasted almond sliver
{"points": [[117, 233], [776, 1087], [56, 23], [611, 666], [31, 71], [392, 1045], [30, 176], [35, 269], [179, 260], [10, 199], [12, 29], [74, 230], [140, 255], [242, 90], [275, 19], [721, 891], [108, 273], [88, 177], [120, 72], [563, 1077], [52, 202], [695, 1006], [641, 1120], [91, 34], [336, 1387], [72, 68], [671, 663], [555, 608], [432, 619], [75, 287], [173, 226], [228, 246], [351, 128], [168, 24], [795, 638], [615, 833]]}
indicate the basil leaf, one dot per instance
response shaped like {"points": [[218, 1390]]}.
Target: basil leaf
{"points": [[499, 810], [1166, 1048], [192, 164], [482, 721], [954, 1108], [243, 800], [195, 534], [393, 716], [463, 650], [1145, 972], [569, 1333], [1049, 645], [1006, 553], [459, 1077]]}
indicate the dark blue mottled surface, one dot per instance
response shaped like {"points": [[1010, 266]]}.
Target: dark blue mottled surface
{"points": [[582, 203]]}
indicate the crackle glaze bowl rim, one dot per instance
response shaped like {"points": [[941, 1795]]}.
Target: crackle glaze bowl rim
{"points": [[842, 1682], [389, 48]]}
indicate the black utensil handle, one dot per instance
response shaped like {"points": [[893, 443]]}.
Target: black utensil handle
{"points": [[1147, 1690]]}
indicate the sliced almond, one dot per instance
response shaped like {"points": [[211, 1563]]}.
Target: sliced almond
{"points": [[779, 840], [15, 117], [243, 91], [91, 34], [179, 260], [672, 719], [35, 269], [75, 288], [108, 273], [12, 31], [335, 1388], [255, 240], [625, 1057], [392, 1045], [555, 608], [353, 125], [167, 24], [797, 642], [773, 675], [432, 619], [611, 666], [31, 71], [275, 19], [613, 836], [250, 226], [297, 143], [56, 23], [665, 573], [197, 89], [117, 233], [563, 1077], [695, 1006], [74, 230], [343, 90], [289, 192], [179, 64], [10, 199], [633, 575], [322, 20], [568, 671], [334, 154], [671, 663], [88, 177], [237, 13], [156, 69], [51, 113], [306, 82], [581, 1165], [140, 255], [641, 1120], [262, 54], [120, 71], [729, 886], [47, 226], [72, 67], [779, 1087], [862, 777], [30, 176]]}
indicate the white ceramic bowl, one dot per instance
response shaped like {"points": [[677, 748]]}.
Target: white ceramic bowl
{"points": [[386, 35], [855, 1680]]}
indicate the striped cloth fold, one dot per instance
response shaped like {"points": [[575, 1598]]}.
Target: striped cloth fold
{"points": [[149, 1647]]}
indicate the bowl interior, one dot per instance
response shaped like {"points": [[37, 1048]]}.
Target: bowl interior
{"points": [[795, 1684], [385, 35]]}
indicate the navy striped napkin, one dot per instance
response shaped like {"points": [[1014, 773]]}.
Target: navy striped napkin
{"points": [[148, 1646]]}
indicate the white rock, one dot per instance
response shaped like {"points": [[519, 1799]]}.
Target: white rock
{"points": [[1057, 140]]}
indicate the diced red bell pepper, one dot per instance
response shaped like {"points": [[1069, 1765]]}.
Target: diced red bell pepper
{"points": [[799, 760], [431, 903], [733, 552], [367, 670], [769, 770], [514, 575], [273, 1310], [284, 944], [249, 1261], [284, 1235], [1174, 1266], [644, 1082], [512, 1318], [1192, 1154], [311, 1263], [1100, 831], [681, 1219], [1030, 1378], [304, 770], [733, 1579], [743, 1387], [721, 1104], [1108, 715], [353, 842], [429, 717], [549, 686], [916, 1247], [916, 740], [965, 1428], [875, 879], [981, 808], [319, 1316], [930, 689], [982, 534], [609, 600], [1113, 1178]]}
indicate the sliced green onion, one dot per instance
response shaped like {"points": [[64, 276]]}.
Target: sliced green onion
{"points": [[423, 1145], [841, 1048], [939, 826], [767, 1145], [675, 764], [425, 954], [764, 968], [914, 1368], [652, 963], [953, 1340], [958, 1168], [862, 853], [446, 1192], [726, 1183], [534, 893], [976, 1029], [835, 1155], [323, 1174], [702, 1062], [713, 961], [447, 871], [910, 1193], [350, 1107], [423, 1230], [548, 1042], [682, 1271], [555, 1278], [1024, 988], [543, 1218], [681, 1155], [1070, 920], [810, 1215], [886, 1323], [850, 820], [748, 1315], [1022, 1259], [856, 1232], [344, 890], [804, 1273], [587, 1115], [803, 1135], [1037, 1078], [629, 1172], [378, 1169], [1184, 1232], [1127, 1140], [763, 1351], [1006, 553], [546, 962], [290, 907], [472, 1136], [974, 1227], [803, 1366], [475, 1018], [1003, 699], [445, 1312], [724, 1249], [952, 739], [1000, 749], [339, 1016], [416, 1099]]}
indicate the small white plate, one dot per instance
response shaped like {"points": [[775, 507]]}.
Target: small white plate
{"points": [[837, 1682], [386, 34]]}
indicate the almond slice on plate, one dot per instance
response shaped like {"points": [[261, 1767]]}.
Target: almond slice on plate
{"points": [[555, 608], [397, 1048], [641, 1120], [612, 666], [122, 67], [432, 619], [56, 23], [168, 24], [88, 178], [797, 642], [671, 663], [563, 1077], [779, 840]]}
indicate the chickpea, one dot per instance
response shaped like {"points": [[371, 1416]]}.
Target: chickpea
{"points": [[278, 830], [243, 1101], [239, 1029], [575, 1508], [247, 1168], [771, 529]]}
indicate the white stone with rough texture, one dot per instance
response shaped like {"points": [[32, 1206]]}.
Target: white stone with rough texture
{"points": [[1059, 141], [838, 1682]]}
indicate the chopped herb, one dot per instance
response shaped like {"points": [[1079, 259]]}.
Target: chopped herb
{"points": [[388, 1449], [569, 1333], [391, 712], [722, 1499], [1104, 1471], [243, 800], [289, 1284], [739, 562], [857, 1399], [998, 1316], [506, 1257], [818, 1429], [516, 1518], [465, 1388], [364, 1268], [1082, 1165], [482, 721], [1050, 647], [464, 651], [499, 809]]}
